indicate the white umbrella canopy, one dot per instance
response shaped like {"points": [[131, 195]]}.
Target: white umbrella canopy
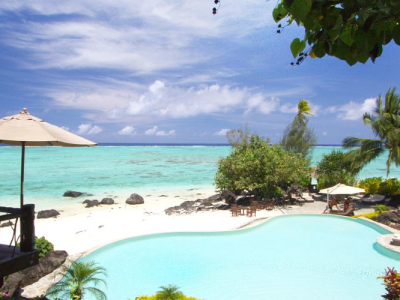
{"points": [[26, 130], [340, 189]]}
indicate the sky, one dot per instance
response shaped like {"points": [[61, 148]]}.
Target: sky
{"points": [[169, 71]]}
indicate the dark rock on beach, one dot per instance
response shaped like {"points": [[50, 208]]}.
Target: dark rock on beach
{"points": [[135, 199], [45, 214], [389, 217], [6, 224], [91, 203], [47, 264], [73, 194], [107, 201], [228, 196], [188, 207]]}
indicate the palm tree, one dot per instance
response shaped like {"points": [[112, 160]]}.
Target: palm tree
{"points": [[171, 292], [385, 124], [303, 108], [77, 281]]}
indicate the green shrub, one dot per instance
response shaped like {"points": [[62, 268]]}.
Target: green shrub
{"points": [[381, 208], [376, 185], [44, 246], [390, 187], [263, 169], [371, 185]]}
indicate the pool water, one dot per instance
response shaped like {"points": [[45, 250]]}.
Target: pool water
{"points": [[288, 257]]}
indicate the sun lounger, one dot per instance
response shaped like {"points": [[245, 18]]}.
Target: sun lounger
{"points": [[298, 200], [307, 197], [373, 199], [348, 212]]}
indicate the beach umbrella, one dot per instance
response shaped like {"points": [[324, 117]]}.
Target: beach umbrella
{"points": [[26, 130], [340, 189]]}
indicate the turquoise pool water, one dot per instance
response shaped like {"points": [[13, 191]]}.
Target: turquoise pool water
{"points": [[288, 257]]}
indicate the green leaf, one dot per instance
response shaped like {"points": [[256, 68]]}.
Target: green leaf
{"points": [[297, 46], [279, 12], [347, 35], [300, 8], [396, 34], [319, 50]]}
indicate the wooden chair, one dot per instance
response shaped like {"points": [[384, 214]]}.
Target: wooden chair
{"points": [[255, 203], [235, 210], [270, 205], [252, 210]]}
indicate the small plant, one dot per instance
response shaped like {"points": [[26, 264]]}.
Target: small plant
{"points": [[4, 296], [78, 280], [381, 208], [44, 246], [391, 281], [170, 292]]}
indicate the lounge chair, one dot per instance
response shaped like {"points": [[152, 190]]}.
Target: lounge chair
{"points": [[307, 197], [348, 212], [373, 199], [297, 199]]}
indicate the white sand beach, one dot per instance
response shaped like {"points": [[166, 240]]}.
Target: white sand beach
{"points": [[80, 230]]}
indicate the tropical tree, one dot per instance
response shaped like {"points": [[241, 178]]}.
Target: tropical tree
{"points": [[261, 168], [385, 124], [298, 138], [170, 292], [335, 168], [80, 278], [351, 30]]}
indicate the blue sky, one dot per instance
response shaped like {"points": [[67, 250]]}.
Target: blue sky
{"points": [[170, 71]]}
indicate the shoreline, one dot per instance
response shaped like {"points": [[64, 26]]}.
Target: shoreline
{"points": [[81, 230]]}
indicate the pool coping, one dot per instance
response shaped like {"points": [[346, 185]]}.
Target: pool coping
{"points": [[384, 239]]}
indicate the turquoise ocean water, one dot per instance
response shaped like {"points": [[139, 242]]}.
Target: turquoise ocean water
{"points": [[112, 169]]}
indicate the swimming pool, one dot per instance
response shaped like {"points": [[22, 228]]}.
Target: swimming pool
{"points": [[288, 257]]}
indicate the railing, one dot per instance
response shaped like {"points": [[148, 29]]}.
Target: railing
{"points": [[27, 216]]}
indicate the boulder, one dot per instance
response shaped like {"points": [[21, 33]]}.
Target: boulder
{"points": [[135, 199], [389, 217], [50, 213], [107, 201], [6, 224], [73, 194], [91, 203], [228, 196], [244, 201], [47, 264], [215, 198]]}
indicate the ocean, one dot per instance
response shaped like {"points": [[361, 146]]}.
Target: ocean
{"points": [[121, 169]]}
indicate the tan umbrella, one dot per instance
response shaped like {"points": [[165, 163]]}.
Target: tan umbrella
{"points": [[26, 130], [341, 189]]}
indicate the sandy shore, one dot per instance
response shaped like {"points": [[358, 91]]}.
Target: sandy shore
{"points": [[79, 229]]}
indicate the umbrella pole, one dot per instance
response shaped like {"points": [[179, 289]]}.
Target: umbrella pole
{"points": [[22, 173], [327, 204]]}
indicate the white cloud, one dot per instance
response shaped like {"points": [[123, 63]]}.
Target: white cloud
{"points": [[324, 133], [353, 111], [151, 131], [258, 103], [155, 131], [163, 133], [89, 129], [222, 132], [128, 130], [65, 128], [145, 37]]}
